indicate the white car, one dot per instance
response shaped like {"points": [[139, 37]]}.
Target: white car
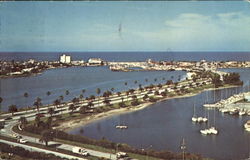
{"points": [[22, 140]]}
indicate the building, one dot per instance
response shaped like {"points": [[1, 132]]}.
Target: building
{"points": [[65, 59], [95, 61]]}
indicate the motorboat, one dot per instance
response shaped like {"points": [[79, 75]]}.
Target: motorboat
{"points": [[121, 127]]}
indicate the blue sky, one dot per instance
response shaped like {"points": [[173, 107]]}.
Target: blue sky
{"points": [[145, 26]]}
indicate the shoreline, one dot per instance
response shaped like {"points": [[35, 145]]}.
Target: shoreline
{"points": [[70, 125]]}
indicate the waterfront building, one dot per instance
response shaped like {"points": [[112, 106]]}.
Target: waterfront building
{"points": [[65, 59], [95, 61]]}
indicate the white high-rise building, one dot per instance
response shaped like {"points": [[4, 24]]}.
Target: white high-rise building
{"points": [[65, 59]]}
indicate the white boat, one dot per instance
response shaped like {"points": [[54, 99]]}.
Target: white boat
{"points": [[242, 112], [194, 119], [209, 105], [213, 130], [121, 127], [199, 119], [204, 119], [224, 110], [204, 131]]}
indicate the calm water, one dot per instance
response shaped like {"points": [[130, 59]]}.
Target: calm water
{"points": [[74, 79], [163, 125]]}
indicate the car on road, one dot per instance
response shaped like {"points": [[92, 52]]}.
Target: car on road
{"points": [[22, 140], [80, 150], [16, 136], [120, 155]]}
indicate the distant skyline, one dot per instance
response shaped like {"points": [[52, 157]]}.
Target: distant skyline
{"points": [[125, 26]]}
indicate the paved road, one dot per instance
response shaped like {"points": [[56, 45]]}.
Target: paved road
{"points": [[31, 148], [7, 131]]}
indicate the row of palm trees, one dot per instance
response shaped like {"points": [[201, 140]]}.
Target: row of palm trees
{"points": [[38, 102]]}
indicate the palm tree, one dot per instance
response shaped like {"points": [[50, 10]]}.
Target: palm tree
{"points": [[48, 93], [146, 80], [112, 89], [81, 96], [57, 102], [98, 91], [23, 121], [107, 101], [1, 100], [61, 97], [155, 79], [90, 104], [46, 136], [12, 109], [38, 120], [135, 81], [38, 103], [51, 111], [67, 92], [72, 107], [83, 91], [75, 100]]}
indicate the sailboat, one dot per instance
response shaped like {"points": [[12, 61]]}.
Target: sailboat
{"points": [[207, 130], [194, 118], [213, 130]]}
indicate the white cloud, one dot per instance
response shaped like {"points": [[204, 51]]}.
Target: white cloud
{"points": [[191, 31]]}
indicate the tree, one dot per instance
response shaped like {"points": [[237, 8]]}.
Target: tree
{"points": [[25, 94], [216, 80], [66, 92], [169, 82], [51, 111], [81, 96], [23, 121], [98, 91], [72, 107], [135, 81], [83, 91], [122, 105], [38, 120], [145, 97], [57, 102], [38, 103], [61, 98], [46, 136], [48, 93], [75, 100], [90, 104], [155, 79], [107, 101], [12, 109], [83, 109], [146, 80]]}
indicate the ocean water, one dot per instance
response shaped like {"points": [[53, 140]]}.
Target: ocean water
{"points": [[129, 56]]}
